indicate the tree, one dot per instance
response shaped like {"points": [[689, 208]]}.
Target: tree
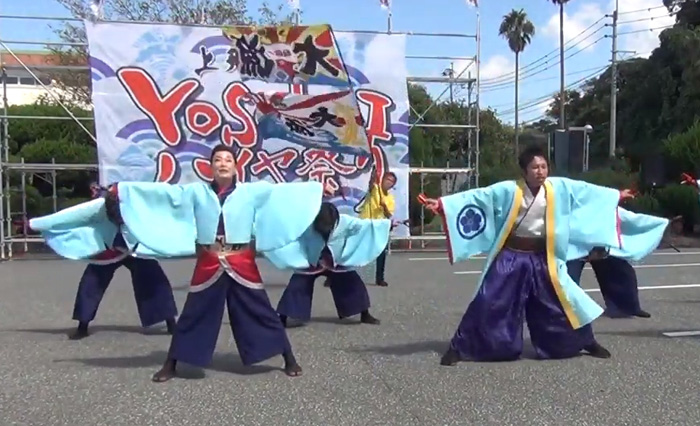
{"points": [[571, 97], [24, 132], [429, 147], [562, 89], [518, 30], [62, 151], [497, 157], [213, 12], [687, 11]]}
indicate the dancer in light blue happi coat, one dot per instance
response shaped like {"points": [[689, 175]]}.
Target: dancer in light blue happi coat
{"points": [[88, 232], [526, 228], [218, 222], [351, 243], [614, 273]]}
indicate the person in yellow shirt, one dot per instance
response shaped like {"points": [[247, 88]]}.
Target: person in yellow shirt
{"points": [[380, 204]]}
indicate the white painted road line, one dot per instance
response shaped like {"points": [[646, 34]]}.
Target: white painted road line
{"points": [[652, 287], [665, 265], [444, 258], [683, 253], [661, 265], [681, 333]]}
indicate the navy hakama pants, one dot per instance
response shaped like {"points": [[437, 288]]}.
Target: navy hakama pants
{"points": [[517, 288], [152, 290], [349, 294], [618, 284], [257, 330]]}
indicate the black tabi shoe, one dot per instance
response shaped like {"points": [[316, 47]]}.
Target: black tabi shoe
{"points": [[382, 283], [80, 333], [642, 314], [367, 318], [450, 358], [596, 350]]}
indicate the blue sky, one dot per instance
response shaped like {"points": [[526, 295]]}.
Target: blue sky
{"points": [[589, 51]]}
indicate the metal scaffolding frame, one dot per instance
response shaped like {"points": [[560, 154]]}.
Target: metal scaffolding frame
{"points": [[49, 171]]}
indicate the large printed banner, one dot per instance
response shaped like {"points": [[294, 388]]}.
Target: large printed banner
{"points": [[295, 103]]}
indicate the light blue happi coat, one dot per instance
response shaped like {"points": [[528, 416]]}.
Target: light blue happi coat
{"points": [[480, 221], [353, 243], [171, 219], [79, 232], [640, 235], [163, 220]]}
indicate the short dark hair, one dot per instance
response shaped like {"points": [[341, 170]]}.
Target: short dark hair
{"points": [[390, 174], [112, 209], [221, 148], [529, 154], [326, 220]]}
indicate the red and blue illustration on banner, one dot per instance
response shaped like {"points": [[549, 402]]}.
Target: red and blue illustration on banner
{"points": [[285, 98]]}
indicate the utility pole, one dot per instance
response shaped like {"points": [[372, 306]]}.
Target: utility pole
{"points": [[469, 120], [452, 76], [562, 87], [613, 86]]}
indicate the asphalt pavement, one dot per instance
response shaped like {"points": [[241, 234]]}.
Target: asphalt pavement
{"points": [[354, 374]]}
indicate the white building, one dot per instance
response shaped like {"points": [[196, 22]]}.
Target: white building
{"points": [[20, 87]]}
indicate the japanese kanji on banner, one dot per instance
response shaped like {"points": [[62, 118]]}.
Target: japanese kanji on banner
{"points": [[295, 103]]}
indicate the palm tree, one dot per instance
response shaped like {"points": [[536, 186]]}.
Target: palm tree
{"points": [[562, 89], [517, 29]]}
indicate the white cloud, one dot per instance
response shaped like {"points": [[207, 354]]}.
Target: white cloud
{"points": [[495, 66], [645, 41], [575, 22]]}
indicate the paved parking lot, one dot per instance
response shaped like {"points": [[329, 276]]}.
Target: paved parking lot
{"points": [[353, 374]]}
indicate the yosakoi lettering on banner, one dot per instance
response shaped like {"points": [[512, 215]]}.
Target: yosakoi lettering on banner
{"points": [[295, 103]]}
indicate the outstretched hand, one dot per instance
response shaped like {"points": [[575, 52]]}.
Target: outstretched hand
{"points": [[627, 194], [433, 205], [430, 203], [686, 179], [328, 190], [95, 190]]}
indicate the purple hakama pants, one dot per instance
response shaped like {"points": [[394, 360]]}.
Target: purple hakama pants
{"points": [[257, 330], [516, 289], [349, 294], [618, 284], [152, 290]]}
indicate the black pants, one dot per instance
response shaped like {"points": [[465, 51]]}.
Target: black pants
{"points": [[381, 265]]}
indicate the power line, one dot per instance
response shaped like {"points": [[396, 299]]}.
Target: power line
{"points": [[646, 29], [648, 9], [532, 120], [526, 76], [647, 19], [535, 71], [505, 86], [533, 66], [508, 79], [555, 51], [536, 102]]}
